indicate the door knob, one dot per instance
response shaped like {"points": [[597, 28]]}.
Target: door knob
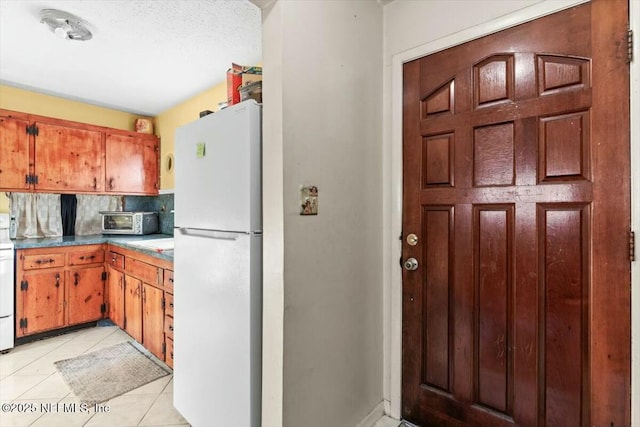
{"points": [[411, 264]]}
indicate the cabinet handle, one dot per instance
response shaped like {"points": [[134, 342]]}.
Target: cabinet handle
{"points": [[172, 355], [171, 279], [95, 182], [171, 304], [44, 261], [57, 280], [171, 328], [113, 260], [77, 278], [89, 257]]}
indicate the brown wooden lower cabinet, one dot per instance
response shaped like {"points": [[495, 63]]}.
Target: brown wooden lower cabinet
{"points": [[115, 296], [153, 319], [168, 323], [140, 288], [58, 287], [133, 307], [70, 285]]}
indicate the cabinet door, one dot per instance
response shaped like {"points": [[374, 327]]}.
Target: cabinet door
{"points": [[14, 154], [169, 356], [131, 164], [85, 294], [153, 320], [68, 159], [115, 285], [40, 302], [133, 307]]}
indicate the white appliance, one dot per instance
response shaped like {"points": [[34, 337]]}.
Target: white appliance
{"points": [[218, 268], [6, 285]]}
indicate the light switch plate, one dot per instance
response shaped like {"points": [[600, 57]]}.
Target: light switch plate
{"points": [[308, 200]]}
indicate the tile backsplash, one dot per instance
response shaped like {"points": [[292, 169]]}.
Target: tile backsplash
{"points": [[163, 204]]}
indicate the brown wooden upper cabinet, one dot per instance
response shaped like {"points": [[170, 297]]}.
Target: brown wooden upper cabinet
{"points": [[44, 154], [132, 164], [15, 153], [67, 159]]}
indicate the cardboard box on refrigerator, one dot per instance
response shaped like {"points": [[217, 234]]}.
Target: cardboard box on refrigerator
{"points": [[238, 76]]}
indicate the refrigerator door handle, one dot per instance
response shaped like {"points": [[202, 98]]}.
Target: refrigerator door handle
{"points": [[211, 234]]}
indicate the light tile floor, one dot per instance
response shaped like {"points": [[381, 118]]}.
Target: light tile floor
{"points": [[30, 383]]}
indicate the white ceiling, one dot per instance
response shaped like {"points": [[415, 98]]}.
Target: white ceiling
{"points": [[145, 55]]}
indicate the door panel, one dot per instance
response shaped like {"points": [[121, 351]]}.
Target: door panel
{"points": [[516, 180], [115, 284], [68, 159], [15, 149], [133, 307], [131, 164], [85, 294]]}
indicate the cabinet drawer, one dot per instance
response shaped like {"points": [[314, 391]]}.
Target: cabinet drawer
{"points": [[168, 280], [168, 326], [89, 256], [169, 356], [146, 272], [115, 259], [31, 262], [168, 309]]}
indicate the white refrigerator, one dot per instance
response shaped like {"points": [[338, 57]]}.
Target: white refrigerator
{"points": [[218, 268]]}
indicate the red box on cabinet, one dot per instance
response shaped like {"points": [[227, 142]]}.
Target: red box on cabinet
{"points": [[238, 76]]}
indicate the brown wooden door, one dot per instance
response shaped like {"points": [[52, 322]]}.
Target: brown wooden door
{"points": [[40, 302], [68, 159], [14, 154], [153, 319], [85, 294], [517, 187], [115, 285], [133, 307], [132, 164]]}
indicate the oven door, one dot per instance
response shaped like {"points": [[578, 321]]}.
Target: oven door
{"points": [[6, 296]]}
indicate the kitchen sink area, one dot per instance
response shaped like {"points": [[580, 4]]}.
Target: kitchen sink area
{"points": [[159, 245]]}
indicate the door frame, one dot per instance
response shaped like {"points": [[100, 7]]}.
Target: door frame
{"points": [[392, 198]]}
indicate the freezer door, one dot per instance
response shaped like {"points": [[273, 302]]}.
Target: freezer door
{"points": [[218, 328], [218, 170]]}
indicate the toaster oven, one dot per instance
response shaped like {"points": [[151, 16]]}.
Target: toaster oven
{"points": [[136, 223]]}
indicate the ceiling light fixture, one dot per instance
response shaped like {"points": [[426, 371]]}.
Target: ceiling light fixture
{"points": [[65, 25]]}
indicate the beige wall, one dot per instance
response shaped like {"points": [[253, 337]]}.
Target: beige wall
{"points": [[322, 126], [183, 113]]}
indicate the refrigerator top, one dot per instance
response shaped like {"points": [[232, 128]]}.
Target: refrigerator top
{"points": [[218, 174]]}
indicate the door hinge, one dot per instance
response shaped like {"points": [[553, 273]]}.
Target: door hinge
{"points": [[32, 130], [632, 246], [23, 323], [104, 275], [103, 308], [164, 348], [629, 45], [124, 323], [24, 285], [164, 302], [31, 179]]}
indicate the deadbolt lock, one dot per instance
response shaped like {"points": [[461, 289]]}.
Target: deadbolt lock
{"points": [[412, 239]]}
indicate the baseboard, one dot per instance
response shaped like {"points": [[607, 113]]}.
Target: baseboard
{"points": [[372, 417]]}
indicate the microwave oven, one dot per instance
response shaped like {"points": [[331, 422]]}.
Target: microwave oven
{"points": [[137, 223]]}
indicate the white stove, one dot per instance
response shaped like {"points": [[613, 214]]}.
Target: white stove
{"points": [[6, 285]]}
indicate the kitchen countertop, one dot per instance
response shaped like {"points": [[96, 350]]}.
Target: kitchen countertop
{"points": [[48, 242]]}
